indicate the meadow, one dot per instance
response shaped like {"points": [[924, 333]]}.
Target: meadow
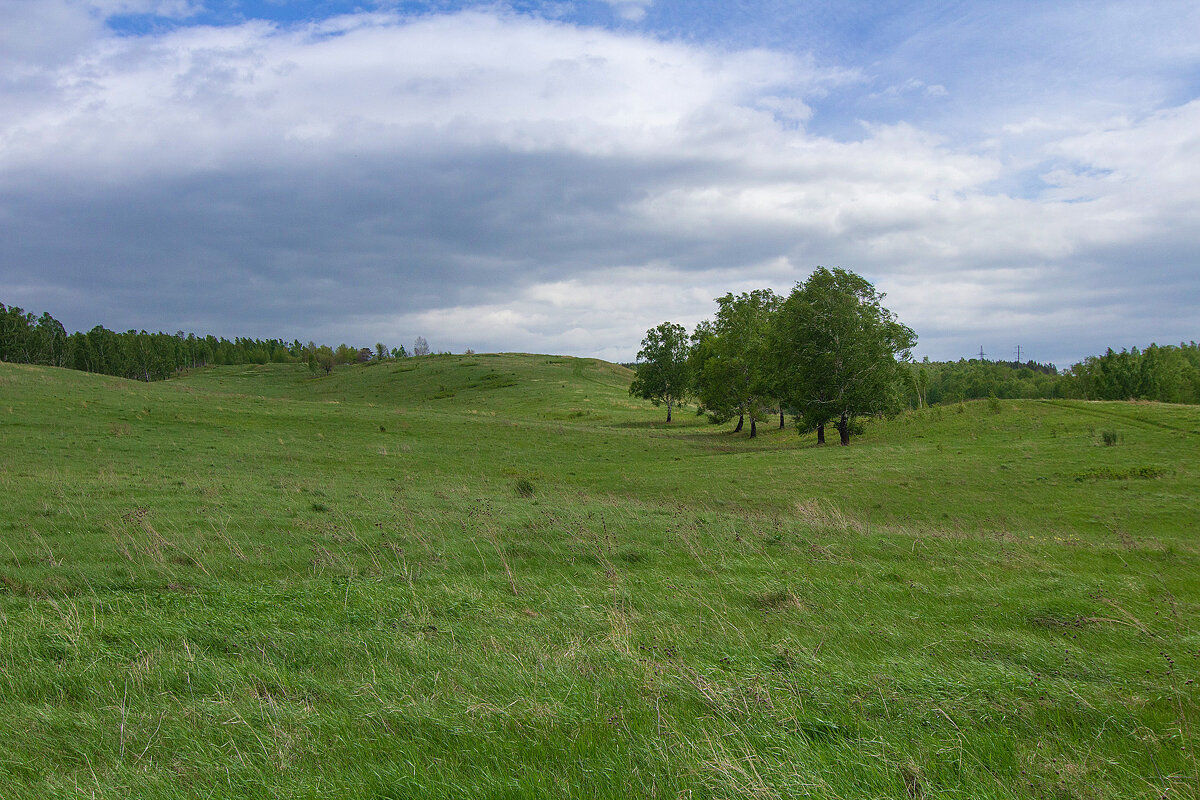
{"points": [[502, 576]]}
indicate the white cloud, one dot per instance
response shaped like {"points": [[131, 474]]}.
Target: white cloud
{"points": [[630, 10], [217, 96], [502, 182], [39, 33], [913, 86]]}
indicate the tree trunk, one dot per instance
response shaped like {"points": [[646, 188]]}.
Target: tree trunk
{"points": [[738, 429], [753, 428], [668, 411], [781, 418], [820, 434], [844, 429]]}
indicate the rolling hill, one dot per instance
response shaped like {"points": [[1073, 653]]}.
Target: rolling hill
{"points": [[499, 575]]}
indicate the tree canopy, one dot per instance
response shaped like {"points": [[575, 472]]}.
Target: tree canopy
{"points": [[732, 374], [838, 351], [662, 370]]}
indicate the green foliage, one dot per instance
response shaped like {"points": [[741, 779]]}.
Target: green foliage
{"points": [[663, 373], [729, 358], [320, 359], [1167, 374], [26, 339], [524, 487], [955, 381], [838, 351]]}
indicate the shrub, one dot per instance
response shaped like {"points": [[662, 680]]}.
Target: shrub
{"points": [[1109, 437], [994, 404], [525, 487]]}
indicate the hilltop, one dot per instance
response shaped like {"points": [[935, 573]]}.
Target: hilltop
{"points": [[500, 575]]}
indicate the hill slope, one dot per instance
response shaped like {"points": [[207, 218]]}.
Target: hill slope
{"points": [[414, 579]]}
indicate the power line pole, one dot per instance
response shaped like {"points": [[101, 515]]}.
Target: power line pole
{"points": [[981, 352], [1018, 354]]}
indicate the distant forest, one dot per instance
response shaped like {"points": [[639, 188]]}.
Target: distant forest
{"points": [[1169, 374], [26, 339]]}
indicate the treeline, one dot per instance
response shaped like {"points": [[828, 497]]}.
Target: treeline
{"points": [[144, 356], [29, 339], [826, 354], [936, 382], [1167, 374]]}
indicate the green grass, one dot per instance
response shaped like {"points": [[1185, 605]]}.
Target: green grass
{"points": [[500, 576]]}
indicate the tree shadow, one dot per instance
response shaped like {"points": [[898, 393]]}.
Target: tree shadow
{"points": [[645, 425]]}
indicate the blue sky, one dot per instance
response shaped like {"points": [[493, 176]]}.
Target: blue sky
{"points": [[558, 177]]}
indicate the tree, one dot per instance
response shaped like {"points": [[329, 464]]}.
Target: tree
{"points": [[662, 368], [381, 351], [51, 341], [839, 352], [420, 347], [921, 384], [324, 358], [729, 358]]}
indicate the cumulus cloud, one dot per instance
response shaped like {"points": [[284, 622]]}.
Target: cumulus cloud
{"points": [[505, 182]]}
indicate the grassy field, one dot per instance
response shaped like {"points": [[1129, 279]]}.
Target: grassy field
{"points": [[500, 576]]}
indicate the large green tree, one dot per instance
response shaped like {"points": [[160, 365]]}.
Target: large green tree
{"points": [[662, 366], [839, 352], [733, 376]]}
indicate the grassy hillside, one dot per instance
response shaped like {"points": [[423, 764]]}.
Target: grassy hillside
{"points": [[498, 575]]}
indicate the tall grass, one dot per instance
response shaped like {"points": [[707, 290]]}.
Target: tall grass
{"points": [[256, 583]]}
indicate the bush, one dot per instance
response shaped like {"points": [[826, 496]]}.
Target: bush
{"points": [[994, 404], [525, 487], [1109, 437]]}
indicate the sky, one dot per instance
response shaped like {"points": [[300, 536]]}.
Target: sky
{"points": [[558, 177]]}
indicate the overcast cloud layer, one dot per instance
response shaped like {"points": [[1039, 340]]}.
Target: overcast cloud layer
{"points": [[560, 178]]}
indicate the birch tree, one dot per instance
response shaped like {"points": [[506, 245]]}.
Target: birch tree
{"points": [[732, 373], [662, 366], [839, 351]]}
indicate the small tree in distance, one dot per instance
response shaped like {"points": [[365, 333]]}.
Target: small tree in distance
{"points": [[662, 368], [324, 358], [420, 347]]}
